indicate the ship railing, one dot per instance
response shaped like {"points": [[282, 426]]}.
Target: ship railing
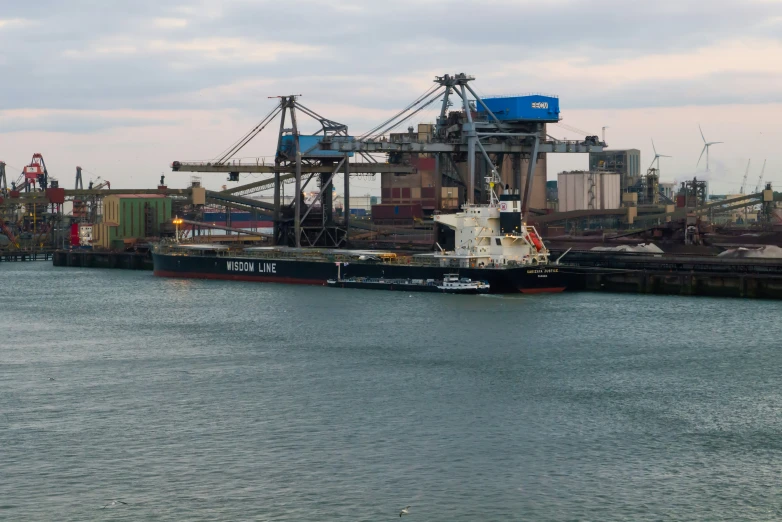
{"points": [[314, 256]]}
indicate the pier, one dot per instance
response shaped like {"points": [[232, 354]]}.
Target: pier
{"points": [[45, 255], [677, 274], [99, 259]]}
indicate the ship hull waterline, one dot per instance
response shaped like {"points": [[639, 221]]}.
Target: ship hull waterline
{"points": [[399, 286], [528, 280]]}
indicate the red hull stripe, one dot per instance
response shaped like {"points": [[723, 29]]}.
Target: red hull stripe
{"points": [[237, 277], [541, 290]]}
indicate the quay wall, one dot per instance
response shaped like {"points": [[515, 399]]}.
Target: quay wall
{"points": [[760, 286], [99, 259]]}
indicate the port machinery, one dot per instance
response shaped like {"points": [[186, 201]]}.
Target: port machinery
{"points": [[478, 130], [33, 174], [460, 137], [298, 159]]}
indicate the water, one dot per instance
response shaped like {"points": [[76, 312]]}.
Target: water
{"points": [[208, 400]]}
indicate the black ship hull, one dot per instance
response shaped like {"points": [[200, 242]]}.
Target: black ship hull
{"points": [[528, 280], [399, 286]]}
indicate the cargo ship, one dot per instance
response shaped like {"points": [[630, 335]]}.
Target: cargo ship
{"points": [[452, 284], [491, 244]]}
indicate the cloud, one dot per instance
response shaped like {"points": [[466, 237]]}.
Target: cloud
{"points": [[169, 49], [170, 23], [232, 49], [191, 73], [13, 22], [83, 122]]}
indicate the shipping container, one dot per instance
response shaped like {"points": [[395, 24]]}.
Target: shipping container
{"points": [[424, 163], [450, 192], [534, 107], [309, 147], [408, 211]]}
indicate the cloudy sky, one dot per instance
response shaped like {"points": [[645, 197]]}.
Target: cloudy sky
{"points": [[124, 88]]}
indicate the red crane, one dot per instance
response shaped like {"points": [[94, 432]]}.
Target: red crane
{"points": [[32, 174], [7, 231]]}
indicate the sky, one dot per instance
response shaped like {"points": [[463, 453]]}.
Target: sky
{"points": [[122, 89]]}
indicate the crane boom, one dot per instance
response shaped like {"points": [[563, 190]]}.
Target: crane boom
{"points": [[760, 179], [746, 173]]}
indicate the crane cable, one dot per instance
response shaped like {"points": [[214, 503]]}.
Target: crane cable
{"points": [[239, 144], [418, 100], [434, 97], [574, 129]]}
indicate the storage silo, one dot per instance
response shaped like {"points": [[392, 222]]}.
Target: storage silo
{"points": [[582, 190]]}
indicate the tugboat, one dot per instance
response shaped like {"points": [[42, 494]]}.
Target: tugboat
{"points": [[450, 284]]}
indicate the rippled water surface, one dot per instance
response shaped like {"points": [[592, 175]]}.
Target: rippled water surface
{"points": [[208, 400]]}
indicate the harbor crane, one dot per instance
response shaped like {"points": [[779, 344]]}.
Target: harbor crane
{"points": [[744, 181], [32, 174], [760, 179], [299, 158], [460, 138]]}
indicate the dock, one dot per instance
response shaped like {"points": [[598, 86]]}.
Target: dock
{"points": [[99, 259], [45, 255], [677, 275]]}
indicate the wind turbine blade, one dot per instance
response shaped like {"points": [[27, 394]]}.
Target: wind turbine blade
{"points": [[701, 156], [715, 142], [664, 156], [653, 148], [702, 136]]}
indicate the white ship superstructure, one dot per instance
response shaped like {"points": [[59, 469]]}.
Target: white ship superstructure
{"points": [[492, 235]]}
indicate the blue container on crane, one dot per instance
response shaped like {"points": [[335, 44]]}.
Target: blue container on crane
{"points": [[310, 147], [533, 107]]}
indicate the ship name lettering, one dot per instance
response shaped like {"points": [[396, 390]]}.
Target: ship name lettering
{"points": [[543, 271], [241, 266], [267, 268]]}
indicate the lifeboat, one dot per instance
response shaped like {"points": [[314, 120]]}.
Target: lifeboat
{"points": [[535, 240]]}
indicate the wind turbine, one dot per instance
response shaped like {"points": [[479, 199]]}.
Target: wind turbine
{"points": [[706, 146], [657, 157]]}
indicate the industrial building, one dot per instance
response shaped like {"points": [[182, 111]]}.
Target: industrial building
{"points": [[582, 190], [668, 190], [626, 162], [130, 217]]}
